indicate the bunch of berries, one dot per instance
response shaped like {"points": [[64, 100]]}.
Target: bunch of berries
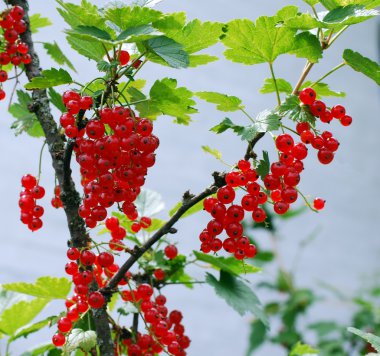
{"points": [[56, 201], [165, 329], [16, 52], [31, 213], [113, 163]]}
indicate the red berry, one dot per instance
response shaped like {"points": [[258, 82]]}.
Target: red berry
{"points": [[28, 181], [123, 57], [281, 207], [105, 259], [226, 194], [346, 120], [73, 253], [284, 143], [171, 252], [159, 274], [58, 339], [64, 325], [302, 126], [318, 108], [307, 96], [319, 203], [338, 111], [96, 300], [325, 156]]}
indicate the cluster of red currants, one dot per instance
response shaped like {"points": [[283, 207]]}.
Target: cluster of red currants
{"points": [[31, 213], [16, 52], [113, 164], [165, 329], [230, 218]]}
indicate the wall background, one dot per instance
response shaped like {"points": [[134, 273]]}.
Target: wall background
{"points": [[345, 254]]}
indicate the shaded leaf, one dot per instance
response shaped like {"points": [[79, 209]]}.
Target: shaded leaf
{"points": [[91, 50], [225, 125], [307, 45], [169, 50], [372, 339], [264, 165], [57, 55], [44, 287], [237, 294], [78, 338], [224, 102], [29, 329], [266, 121], [362, 64], [56, 100], [149, 203], [291, 108], [50, 78], [229, 264], [348, 15], [25, 120], [256, 336]]}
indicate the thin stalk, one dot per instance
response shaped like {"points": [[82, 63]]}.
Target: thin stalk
{"points": [[92, 81], [306, 201], [275, 83], [246, 114], [328, 73], [40, 161], [337, 36], [303, 76], [288, 128]]}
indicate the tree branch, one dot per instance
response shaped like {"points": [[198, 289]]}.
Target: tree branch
{"points": [[69, 195], [188, 202]]}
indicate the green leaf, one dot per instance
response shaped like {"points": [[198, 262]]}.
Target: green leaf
{"points": [[311, 2], [25, 120], [282, 85], [41, 350], [266, 121], [256, 336], [168, 99], [212, 151], [324, 328], [264, 165], [224, 102], [194, 36], [300, 349], [91, 33], [252, 43], [112, 304], [56, 100], [49, 78], [303, 21], [307, 45], [348, 15], [225, 125], [291, 108], [137, 84], [126, 17], [372, 339], [57, 55], [29, 329], [20, 314], [196, 60], [237, 294], [44, 287], [323, 90], [229, 264], [138, 33], [79, 338], [156, 225], [362, 64], [169, 50], [37, 22], [7, 299], [91, 50]]}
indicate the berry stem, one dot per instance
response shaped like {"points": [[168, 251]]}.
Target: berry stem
{"points": [[339, 33], [306, 201], [246, 114], [40, 161], [303, 76], [328, 73], [275, 83]]}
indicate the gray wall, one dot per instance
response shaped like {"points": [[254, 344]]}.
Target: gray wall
{"points": [[345, 254]]}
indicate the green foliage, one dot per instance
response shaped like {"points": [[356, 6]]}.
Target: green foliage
{"points": [[362, 64], [49, 78], [372, 339], [26, 121], [56, 100], [282, 85], [168, 50], [229, 264], [323, 90], [37, 22], [41, 350], [307, 45], [292, 109], [57, 55], [20, 314], [227, 124], [300, 349], [32, 328], [44, 287], [79, 338], [257, 335], [166, 99], [224, 102], [237, 294], [264, 165], [212, 151]]}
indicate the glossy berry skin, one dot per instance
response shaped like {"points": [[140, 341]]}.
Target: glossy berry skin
{"points": [[64, 325], [226, 195], [319, 203], [325, 156], [338, 111], [346, 120], [123, 57], [96, 300], [281, 207], [58, 339], [28, 181], [159, 274], [284, 143], [171, 252], [307, 96]]}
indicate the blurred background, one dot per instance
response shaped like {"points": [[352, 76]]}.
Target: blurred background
{"points": [[345, 252]]}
